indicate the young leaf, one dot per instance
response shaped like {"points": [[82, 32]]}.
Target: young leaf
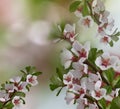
{"points": [[59, 73], [102, 103], [109, 75], [54, 86], [109, 89], [21, 94], [37, 73], [85, 10], [115, 103], [74, 6], [111, 43]]}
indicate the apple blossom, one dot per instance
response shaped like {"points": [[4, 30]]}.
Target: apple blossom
{"points": [[105, 61], [4, 96], [22, 87], [17, 102], [86, 21], [15, 79], [97, 6], [80, 50], [69, 32], [32, 80], [9, 87], [104, 17], [79, 66], [70, 97], [98, 93], [67, 78], [82, 102], [105, 39], [66, 58]]}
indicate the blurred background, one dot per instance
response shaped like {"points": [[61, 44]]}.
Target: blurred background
{"points": [[25, 30]]}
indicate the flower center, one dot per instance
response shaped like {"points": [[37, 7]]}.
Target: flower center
{"points": [[31, 79], [17, 102], [82, 53], [98, 94], [68, 79], [105, 62], [105, 39]]}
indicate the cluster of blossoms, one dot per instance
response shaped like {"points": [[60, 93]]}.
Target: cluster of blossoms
{"points": [[13, 91], [89, 12], [91, 77], [85, 83]]}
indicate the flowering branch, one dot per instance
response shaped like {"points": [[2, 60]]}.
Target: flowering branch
{"points": [[91, 76], [13, 91]]}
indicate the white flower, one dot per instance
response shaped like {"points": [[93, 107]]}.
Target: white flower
{"points": [[105, 39], [9, 87], [82, 103], [81, 51], [17, 102], [69, 32], [101, 30], [22, 87], [110, 97], [97, 6], [32, 80], [80, 67], [15, 79], [86, 21], [93, 77], [67, 78], [70, 97], [66, 58], [105, 61], [4, 96], [79, 90], [89, 85], [98, 93], [104, 17], [110, 25]]}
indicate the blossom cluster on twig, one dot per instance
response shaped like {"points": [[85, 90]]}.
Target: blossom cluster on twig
{"points": [[12, 92], [91, 76]]}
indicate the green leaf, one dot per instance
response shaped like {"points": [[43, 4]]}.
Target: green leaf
{"points": [[28, 68], [37, 73], [99, 52], [73, 7], [109, 89], [21, 94], [111, 43], [115, 38], [102, 103], [115, 103], [109, 75], [117, 34], [59, 73], [54, 86], [116, 82], [9, 105], [85, 10], [1, 104], [92, 54]]}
